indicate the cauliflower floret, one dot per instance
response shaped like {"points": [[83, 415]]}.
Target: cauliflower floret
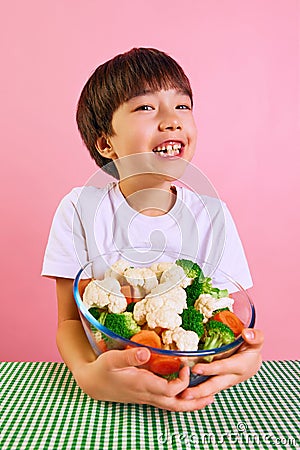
{"points": [[161, 308], [97, 335], [141, 277], [104, 293], [163, 317], [139, 312], [207, 304], [117, 303], [225, 302], [167, 294], [167, 336], [117, 270], [176, 275], [185, 340], [94, 295], [160, 267], [156, 312], [154, 303]]}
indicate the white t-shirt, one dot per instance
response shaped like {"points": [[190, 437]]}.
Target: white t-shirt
{"points": [[92, 221]]}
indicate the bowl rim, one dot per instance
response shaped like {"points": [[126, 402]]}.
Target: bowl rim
{"points": [[197, 353]]}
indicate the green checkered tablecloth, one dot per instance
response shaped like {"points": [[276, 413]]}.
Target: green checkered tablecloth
{"points": [[42, 408]]}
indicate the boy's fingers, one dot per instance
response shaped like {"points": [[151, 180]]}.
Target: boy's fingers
{"points": [[119, 359], [179, 404], [160, 386], [179, 384], [253, 336], [210, 388], [219, 367]]}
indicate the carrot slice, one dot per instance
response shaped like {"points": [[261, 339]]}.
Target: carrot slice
{"points": [[82, 285], [231, 320], [102, 346], [127, 292], [159, 364], [164, 365], [147, 337]]}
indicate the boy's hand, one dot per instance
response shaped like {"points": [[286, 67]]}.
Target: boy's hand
{"points": [[115, 376], [230, 371]]}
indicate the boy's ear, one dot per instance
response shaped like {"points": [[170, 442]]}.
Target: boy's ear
{"points": [[104, 148]]}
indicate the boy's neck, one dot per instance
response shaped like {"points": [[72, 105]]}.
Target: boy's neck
{"points": [[148, 198]]}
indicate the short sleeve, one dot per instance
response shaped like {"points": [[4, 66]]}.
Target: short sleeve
{"points": [[233, 260], [66, 250]]}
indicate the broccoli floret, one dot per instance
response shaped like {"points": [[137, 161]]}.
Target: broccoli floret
{"points": [[98, 314], [206, 285], [192, 292], [95, 311], [192, 319], [217, 334], [102, 317], [218, 293], [122, 324], [200, 285], [130, 307], [191, 269], [219, 310], [203, 285]]}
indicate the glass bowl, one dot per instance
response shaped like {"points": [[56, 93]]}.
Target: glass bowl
{"points": [[98, 335]]}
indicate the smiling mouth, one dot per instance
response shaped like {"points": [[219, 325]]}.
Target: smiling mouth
{"points": [[169, 149]]}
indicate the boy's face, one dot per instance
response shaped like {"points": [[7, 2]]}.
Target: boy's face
{"points": [[154, 133]]}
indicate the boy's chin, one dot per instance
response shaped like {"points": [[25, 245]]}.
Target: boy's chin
{"points": [[148, 164], [173, 173]]}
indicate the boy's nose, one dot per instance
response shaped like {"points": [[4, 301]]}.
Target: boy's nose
{"points": [[171, 124]]}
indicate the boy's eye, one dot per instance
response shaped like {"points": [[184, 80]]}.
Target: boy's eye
{"points": [[144, 108], [183, 107]]}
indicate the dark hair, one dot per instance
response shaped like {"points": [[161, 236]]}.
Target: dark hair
{"points": [[116, 81]]}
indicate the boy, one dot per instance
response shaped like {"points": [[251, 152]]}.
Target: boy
{"points": [[135, 117]]}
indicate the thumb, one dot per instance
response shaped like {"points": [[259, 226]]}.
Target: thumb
{"points": [[253, 337], [119, 359]]}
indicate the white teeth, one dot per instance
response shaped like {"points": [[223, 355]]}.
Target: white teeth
{"points": [[168, 150]]}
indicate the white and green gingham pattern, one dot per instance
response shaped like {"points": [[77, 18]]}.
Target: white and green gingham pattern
{"points": [[42, 408]]}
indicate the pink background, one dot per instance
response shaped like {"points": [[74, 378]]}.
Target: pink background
{"points": [[242, 58]]}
